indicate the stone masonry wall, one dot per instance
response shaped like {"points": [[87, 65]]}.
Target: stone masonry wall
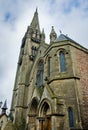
{"points": [[81, 67]]}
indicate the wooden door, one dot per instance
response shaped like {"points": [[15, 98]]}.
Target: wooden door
{"points": [[41, 125], [47, 123]]}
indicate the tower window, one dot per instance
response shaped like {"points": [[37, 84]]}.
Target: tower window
{"points": [[70, 116], [39, 76], [62, 62], [48, 66], [34, 49]]}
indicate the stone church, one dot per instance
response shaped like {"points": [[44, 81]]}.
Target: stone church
{"points": [[51, 85]]}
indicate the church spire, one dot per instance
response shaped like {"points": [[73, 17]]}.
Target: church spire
{"points": [[33, 30], [35, 21]]}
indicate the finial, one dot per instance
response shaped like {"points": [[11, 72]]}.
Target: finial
{"points": [[43, 33], [4, 108], [52, 27], [52, 30], [53, 35], [43, 36], [0, 104], [43, 30], [36, 10], [60, 31], [5, 105]]}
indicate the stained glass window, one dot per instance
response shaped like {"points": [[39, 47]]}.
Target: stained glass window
{"points": [[62, 62], [70, 115]]}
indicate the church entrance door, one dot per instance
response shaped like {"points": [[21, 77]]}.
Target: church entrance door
{"points": [[45, 118], [45, 123]]}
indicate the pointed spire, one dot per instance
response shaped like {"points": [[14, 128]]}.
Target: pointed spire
{"points": [[33, 31], [53, 35], [36, 10], [35, 21], [43, 36], [4, 108]]}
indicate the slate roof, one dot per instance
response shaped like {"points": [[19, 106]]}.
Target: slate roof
{"points": [[63, 37]]}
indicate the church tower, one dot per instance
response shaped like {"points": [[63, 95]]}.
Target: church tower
{"points": [[51, 85], [28, 51]]}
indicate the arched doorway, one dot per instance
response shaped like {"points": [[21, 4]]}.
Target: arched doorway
{"points": [[32, 114], [45, 116]]}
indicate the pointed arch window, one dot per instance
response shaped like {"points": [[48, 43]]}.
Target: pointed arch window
{"points": [[48, 66], [62, 61], [33, 50], [39, 76], [71, 118]]}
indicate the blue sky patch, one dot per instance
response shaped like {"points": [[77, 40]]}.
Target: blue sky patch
{"points": [[67, 7], [7, 17]]}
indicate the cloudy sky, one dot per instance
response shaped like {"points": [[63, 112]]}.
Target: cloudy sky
{"points": [[69, 16]]}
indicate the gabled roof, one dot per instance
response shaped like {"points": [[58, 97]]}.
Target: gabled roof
{"points": [[63, 37]]}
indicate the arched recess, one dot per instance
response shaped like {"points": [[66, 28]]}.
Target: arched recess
{"points": [[33, 106], [33, 109], [48, 64], [45, 115], [40, 73], [44, 108], [34, 70], [37, 72]]}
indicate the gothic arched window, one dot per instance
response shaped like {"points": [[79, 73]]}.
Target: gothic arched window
{"points": [[39, 76], [70, 116], [48, 66], [62, 61]]}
